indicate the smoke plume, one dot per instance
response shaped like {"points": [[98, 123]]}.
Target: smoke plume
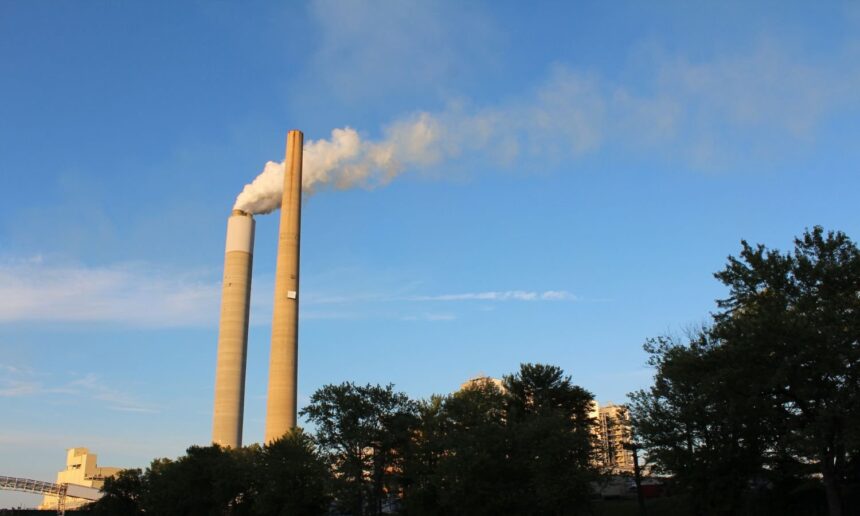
{"points": [[708, 114], [345, 161]]}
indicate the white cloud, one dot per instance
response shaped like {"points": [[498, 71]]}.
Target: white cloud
{"points": [[133, 294], [107, 443], [330, 315], [91, 386], [16, 370], [507, 295], [399, 304], [557, 295], [374, 49], [11, 388], [22, 383], [144, 296], [431, 317]]}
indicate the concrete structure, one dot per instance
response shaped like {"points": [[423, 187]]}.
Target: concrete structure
{"points": [[283, 361], [233, 331], [82, 474], [614, 431]]}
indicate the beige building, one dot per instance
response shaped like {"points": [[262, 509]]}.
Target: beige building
{"points": [[81, 470], [480, 380], [613, 434]]}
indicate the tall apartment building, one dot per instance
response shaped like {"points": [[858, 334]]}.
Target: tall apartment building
{"points": [[613, 436]]}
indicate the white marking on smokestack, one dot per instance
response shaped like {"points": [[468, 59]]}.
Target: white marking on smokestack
{"points": [[233, 331], [283, 362]]}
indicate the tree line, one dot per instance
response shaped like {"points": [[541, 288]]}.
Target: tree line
{"points": [[757, 412], [523, 447]]}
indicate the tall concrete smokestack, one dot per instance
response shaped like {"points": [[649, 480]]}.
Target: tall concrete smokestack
{"points": [[281, 403], [233, 331]]}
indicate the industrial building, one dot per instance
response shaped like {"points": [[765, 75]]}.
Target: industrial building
{"points": [[82, 470]]}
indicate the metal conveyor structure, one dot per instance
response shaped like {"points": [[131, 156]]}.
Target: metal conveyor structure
{"points": [[61, 491]]}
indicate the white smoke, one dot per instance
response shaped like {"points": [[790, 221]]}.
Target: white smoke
{"points": [[345, 161], [708, 114]]}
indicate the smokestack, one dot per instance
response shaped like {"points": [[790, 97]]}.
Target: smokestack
{"points": [[233, 331], [281, 403]]}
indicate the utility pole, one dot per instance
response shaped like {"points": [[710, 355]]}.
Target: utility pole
{"points": [[637, 476]]}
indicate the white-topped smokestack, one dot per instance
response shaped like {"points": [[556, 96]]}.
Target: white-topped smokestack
{"points": [[233, 331]]}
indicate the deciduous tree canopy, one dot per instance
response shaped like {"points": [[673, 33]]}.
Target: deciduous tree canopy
{"points": [[772, 388]]}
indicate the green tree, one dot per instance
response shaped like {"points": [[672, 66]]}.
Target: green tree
{"points": [[703, 421], [291, 477], [522, 448], [121, 494], [798, 315], [420, 478], [461, 464], [363, 430], [772, 388], [551, 435], [207, 480]]}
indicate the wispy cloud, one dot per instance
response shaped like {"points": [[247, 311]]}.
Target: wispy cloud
{"points": [[17, 370], [11, 388], [140, 295], [24, 382], [133, 294], [397, 306], [507, 295], [380, 48], [91, 386], [429, 317], [106, 444]]}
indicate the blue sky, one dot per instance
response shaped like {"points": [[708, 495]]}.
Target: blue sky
{"points": [[594, 167]]}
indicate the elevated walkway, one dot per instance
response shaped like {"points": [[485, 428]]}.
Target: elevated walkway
{"points": [[61, 491]]}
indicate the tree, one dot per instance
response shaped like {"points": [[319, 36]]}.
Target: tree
{"points": [[772, 387], [702, 421], [522, 447], [461, 465], [207, 480], [362, 430], [286, 476], [800, 314], [121, 494], [552, 438], [291, 477]]}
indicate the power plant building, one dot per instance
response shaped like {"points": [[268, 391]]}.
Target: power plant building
{"points": [[82, 469]]}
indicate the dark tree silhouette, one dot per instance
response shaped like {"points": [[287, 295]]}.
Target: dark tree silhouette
{"points": [[363, 431], [773, 387], [799, 313]]}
